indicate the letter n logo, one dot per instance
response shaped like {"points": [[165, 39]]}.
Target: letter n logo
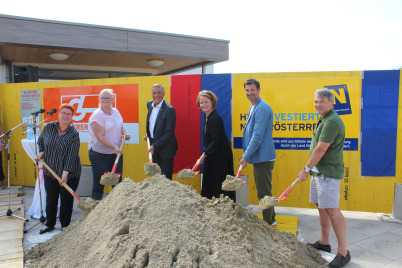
{"points": [[342, 100]]}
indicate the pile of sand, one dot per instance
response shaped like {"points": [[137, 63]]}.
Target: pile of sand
{"points": [[160, 223]]}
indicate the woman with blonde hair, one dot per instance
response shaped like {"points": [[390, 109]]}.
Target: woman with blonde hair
{"points": [[105, 129], [218, 156]]}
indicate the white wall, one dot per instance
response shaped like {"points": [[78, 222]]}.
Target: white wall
{"points": [[209, 69], [3, 74]]}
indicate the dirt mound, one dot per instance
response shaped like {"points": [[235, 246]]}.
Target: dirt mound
{"points": [[160, 223]]}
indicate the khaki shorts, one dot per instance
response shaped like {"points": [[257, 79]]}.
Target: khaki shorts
{"points": [[325, 191]]}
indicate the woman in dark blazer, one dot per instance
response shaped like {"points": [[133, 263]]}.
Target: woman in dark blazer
{"points": [[218, 156], [59, 144]]}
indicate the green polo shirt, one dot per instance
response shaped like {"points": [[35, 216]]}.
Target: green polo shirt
{"points": [[330, 129]]}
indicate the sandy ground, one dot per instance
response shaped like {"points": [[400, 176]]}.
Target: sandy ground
{"points": [[160, 223]]}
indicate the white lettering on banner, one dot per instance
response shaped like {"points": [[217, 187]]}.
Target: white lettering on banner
{"points": [[81, 111], [81, 127]]}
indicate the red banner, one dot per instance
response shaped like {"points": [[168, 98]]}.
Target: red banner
{"points": [[183, 95]]}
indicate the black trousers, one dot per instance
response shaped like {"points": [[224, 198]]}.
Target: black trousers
{"points": [[53, 189], [166, 165]]}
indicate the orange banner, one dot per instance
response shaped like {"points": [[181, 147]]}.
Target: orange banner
{"points": [[85, 101]]}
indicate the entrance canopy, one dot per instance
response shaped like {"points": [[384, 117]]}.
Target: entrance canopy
{"points": [[101, 50]]}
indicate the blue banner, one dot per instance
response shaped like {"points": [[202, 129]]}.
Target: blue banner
{"points": [[221, 86], [380, 93]]}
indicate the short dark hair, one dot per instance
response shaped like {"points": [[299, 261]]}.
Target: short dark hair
{"points": [[252, 81]]}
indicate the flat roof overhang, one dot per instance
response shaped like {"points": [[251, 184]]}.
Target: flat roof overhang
{"points": [[27, 41]]}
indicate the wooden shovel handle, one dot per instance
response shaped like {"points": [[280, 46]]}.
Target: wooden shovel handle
{"points": [[58, 178], [286, 192], [119, 154]]}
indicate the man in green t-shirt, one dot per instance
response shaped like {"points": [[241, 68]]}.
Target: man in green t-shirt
{"points": [[326, 154]]}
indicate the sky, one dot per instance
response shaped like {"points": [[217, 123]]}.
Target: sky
{"points": [[264, 35]]}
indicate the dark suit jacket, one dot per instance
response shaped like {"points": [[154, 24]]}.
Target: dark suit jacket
{"points": [[164, 140]]}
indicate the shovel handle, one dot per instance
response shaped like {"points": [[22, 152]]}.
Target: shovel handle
{"points": [[197, 163], [119, 154], [239, 171], [286, 192], [58, 178], [149, 154]]}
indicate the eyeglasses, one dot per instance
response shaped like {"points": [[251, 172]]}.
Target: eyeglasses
{"points": [[204, 92], [103, 98], [66, 114]]}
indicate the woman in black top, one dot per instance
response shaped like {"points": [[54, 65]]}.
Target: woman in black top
{"points": [[218, 157], [59, 145]]}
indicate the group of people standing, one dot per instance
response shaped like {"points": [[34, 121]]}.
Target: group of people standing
{"points": [[59, 145], [326, 154]]}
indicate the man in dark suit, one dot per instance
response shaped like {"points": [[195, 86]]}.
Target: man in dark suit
{"points": [[161, 123]]}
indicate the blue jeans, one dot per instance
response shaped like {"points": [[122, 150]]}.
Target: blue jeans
{"points": [[102, 163]]}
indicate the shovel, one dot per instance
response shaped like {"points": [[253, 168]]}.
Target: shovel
{"points": [[111, 178], [270, 201], [151, 168], [233, 183], [189, 173], [58, 178]]}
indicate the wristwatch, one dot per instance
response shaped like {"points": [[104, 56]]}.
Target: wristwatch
{"points": [[307, 169]]}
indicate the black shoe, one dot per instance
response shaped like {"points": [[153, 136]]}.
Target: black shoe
{"points": [[340, 260], [45, 229], [317, 245]]}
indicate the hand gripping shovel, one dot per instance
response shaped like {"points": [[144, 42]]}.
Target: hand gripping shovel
{"points": [[111, 178], [233, 183], [58, 178], [189, 173], [151, 168]]}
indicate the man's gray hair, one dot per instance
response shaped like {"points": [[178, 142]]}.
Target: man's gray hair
{"points": [[324, 93], [160, 86]]}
